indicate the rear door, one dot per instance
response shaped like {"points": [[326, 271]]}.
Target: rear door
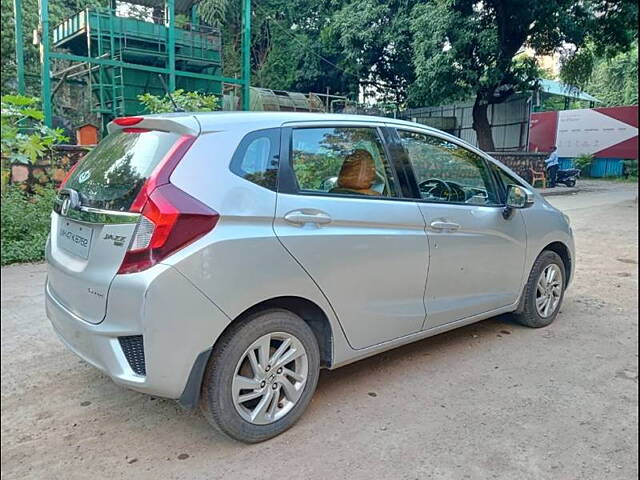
{"points": [[477, 255], [91, 225], [340, 216]]}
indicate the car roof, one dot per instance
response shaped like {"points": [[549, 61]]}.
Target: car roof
{"points": [[213, 120], [248, 121]]}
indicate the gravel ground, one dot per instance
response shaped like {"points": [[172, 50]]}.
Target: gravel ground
{"points": [[489, 401]]}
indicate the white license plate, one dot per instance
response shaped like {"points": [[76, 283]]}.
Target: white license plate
{"points": [[75, 238]]}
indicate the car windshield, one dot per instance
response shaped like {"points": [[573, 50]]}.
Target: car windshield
{"points": [[112, 174]]}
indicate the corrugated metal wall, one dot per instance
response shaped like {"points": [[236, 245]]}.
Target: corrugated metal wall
{"points": [[509, 121]]}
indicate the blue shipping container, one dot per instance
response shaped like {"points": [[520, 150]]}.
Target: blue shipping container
{"points": [[606, 167], [566, 163]]}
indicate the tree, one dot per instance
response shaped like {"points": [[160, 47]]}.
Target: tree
{"points": [[8, 51], [292, 45], [468, 48], [186, 101], [615, 80], [58, 10], [376, 39]]}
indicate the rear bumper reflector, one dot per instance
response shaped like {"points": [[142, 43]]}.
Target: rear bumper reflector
{"points": [[133, 349]]}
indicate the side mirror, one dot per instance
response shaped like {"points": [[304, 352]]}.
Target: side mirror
{"points": [[517, 197]]}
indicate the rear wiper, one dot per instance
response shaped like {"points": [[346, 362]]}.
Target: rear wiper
{"points": [[72, 200]]}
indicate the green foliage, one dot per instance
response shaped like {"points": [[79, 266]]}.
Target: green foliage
{"points": [[187, 101], [312, 170], [293, 44], [58, 10], [631, 169], [377, 43], [615, 81], [583, 162], [577, 69], [465, 47], [25, 138], [428, 52], [25, 224], [215, 12]]}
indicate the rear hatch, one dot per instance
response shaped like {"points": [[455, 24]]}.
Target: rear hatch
{"points": [[97, 213]]}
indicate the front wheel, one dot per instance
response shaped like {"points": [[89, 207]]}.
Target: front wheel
{"points": [[544, 291], [261, 376]]}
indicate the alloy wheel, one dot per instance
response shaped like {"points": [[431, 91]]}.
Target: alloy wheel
{"points": [[270, 378], [549, 290]]}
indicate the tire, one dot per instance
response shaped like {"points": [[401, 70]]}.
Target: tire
{"points": [[571, 183], [232, 363], [529, 314]]}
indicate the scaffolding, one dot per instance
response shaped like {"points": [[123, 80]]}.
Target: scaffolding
{"points": [[119, 57]]}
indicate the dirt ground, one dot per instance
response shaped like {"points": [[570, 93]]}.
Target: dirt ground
{"points": [[489, 401]]}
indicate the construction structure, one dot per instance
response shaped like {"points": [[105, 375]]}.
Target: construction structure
{"points": [[119, 57], [509, 120]]}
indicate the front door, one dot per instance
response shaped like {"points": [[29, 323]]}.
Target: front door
{"points": [[338, 214], [477, 256]]}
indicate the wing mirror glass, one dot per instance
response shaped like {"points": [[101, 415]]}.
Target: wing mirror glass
{"points": [[519, 197]]}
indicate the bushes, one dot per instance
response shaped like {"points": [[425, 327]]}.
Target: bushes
{"points": [[187, 101], [25, 217], [583, 162], [25, 224], [630, 169], [25, 138]]}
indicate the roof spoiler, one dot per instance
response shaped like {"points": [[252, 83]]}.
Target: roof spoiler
{"points": [[184, 124]]}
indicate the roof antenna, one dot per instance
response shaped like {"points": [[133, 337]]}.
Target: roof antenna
{"points": [[176, 108]]}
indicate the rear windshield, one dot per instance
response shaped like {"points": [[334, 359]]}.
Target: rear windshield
{"points": [[113, 173]]}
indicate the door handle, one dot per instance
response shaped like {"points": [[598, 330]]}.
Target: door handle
{"points": [[301, 217], [444, 226]]}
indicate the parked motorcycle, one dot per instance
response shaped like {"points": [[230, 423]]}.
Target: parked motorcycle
{"points": [[568, 177]]}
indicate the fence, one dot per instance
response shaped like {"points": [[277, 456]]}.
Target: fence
{"points": [[509, 121]]}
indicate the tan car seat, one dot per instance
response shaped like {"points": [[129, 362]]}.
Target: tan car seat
{"points": [[357, 175]]}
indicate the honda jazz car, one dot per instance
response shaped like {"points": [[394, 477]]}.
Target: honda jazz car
{"points": [[223, 259]]}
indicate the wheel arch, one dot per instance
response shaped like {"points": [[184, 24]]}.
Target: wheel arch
{"points": [[565, 254], [309, 311], [563, 251]]}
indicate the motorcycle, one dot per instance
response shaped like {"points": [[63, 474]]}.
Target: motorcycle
{"points": [[568, 177]]}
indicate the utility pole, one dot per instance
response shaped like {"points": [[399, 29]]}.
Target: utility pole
{"points": [[246, 54], [46, 63], [17, 8], [170, 14]]}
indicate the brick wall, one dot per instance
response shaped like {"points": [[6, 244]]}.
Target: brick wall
{"points": [[50, 169], [522, 162]]}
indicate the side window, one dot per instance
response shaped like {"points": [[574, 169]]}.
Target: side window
{"points": [[504, 179], [341, 160], [256, 158], [447, 172]]}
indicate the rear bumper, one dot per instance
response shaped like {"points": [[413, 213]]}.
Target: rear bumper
{"points": [[176, 321], [95, 344]]}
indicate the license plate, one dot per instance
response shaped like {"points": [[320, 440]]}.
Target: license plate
{"points": [[75, 238]]}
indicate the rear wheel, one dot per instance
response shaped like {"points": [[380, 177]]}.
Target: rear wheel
{"points": [[261, 376], [571, 183], [544, 291]]}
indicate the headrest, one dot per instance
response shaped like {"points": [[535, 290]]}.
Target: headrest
{"points": [[358, 171]]}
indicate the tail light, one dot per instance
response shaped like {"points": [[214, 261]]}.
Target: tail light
{"points": [[171, 219], [127, 121]]}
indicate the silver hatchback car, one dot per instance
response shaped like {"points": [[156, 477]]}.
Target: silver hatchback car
{"points": [[222, 259]]}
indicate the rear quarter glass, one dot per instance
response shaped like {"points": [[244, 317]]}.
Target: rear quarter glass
{"points": [[113, 173]]}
